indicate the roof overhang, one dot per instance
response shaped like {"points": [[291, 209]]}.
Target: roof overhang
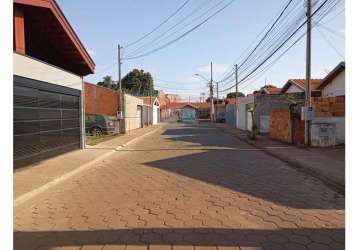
{"points": [[57, 26], [333, 74], [288, 84]]}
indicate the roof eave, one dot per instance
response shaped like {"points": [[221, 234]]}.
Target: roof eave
{"points": [[56, 11]]}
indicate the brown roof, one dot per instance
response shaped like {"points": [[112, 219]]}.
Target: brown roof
{"points": [[46, 20], [301, 83], [273, 90]]}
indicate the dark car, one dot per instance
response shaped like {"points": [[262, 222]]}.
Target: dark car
{"points": [[101, 124]]}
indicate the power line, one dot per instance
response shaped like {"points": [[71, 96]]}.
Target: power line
{"points": [[170, 81], [183, 35], [330, 44], [277, 48], [160, 36], [160, 25]]}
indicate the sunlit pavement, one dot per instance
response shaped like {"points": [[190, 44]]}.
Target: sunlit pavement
{"points": [[184, 187]]}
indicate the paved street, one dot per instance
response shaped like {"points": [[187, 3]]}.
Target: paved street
{"points": [[184, 187]]}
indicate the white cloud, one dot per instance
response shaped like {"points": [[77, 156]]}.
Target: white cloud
{"points": [[343, 31]]}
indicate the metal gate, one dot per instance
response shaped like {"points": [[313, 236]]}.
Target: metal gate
{"points": [[47, 120]]}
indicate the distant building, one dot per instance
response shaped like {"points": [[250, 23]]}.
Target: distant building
{"points": [[334, 83], [269, 90], [299, 85]]}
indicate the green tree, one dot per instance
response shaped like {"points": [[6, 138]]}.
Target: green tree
{"points": [[233, 95], [138, 82], [107, 82]]}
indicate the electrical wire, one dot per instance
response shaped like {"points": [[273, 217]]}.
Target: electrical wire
{"points": [[183, 35], [279, 46], [160, 25]]}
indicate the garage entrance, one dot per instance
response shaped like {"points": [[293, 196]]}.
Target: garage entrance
{"points": [[47, 120]]}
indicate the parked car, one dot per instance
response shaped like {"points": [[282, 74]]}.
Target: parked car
{"points": [[101, 124]]}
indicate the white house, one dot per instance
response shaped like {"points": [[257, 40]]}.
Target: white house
{"points": [[334, 83], [299, 85], [188, 113]]}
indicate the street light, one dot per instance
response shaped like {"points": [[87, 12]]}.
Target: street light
{"points": [[201, 76]]}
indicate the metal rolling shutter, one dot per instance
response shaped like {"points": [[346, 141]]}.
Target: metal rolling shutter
{"points": [[46, 120]]}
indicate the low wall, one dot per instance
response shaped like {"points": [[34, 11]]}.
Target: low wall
{"points": [[243, 117], [100, 100], [329, 106], [331, 110], [280, 125], [230, 115]]}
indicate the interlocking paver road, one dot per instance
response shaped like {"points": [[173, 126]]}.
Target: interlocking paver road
{"points": [[184, 187]]}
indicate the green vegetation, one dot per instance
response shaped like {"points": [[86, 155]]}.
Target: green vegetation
{"points": [[94, 140]]}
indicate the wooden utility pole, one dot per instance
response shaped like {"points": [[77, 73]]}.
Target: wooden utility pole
{"points": [[308, 73], [120, 83], [212, 116], [236, 99]]}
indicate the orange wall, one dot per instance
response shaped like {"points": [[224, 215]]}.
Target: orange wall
{"points": [[19, 30], [100, 100]]}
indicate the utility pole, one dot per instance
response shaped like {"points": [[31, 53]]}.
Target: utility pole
{"points": [[212, 116], [236, 98], [308, 74], [120, 81], [217, 101]]}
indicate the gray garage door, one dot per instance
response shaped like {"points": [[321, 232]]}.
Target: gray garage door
{"points": [[46, 120]]}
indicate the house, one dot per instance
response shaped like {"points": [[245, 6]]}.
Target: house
{"points": [[334, 83], [299, 86], [49, 65], [154, 103], [269, 90], [328, 125], [188, 113]]}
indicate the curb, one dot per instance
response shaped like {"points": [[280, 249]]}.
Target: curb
{"points": [[29, 195], [334, 185]]}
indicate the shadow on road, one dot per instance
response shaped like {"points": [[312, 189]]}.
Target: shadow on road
{"points": [[244, 169], [267, 239]]}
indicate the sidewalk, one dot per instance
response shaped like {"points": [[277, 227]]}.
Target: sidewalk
{"points": [[30, 178], [326, 164]]}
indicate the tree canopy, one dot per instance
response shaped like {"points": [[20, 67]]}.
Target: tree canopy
{"points": [[107, 82], [138, 82], [233, 95]]}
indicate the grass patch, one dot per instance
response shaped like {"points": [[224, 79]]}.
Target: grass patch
{"points": [[93, 140]]}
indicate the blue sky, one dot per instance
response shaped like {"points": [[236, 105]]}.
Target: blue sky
{"points": [[101, 25]]}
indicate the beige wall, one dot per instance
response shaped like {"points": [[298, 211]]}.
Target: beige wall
{"points": [[336, 87], [32, 68], [244, 119], [294, 89], [130, 111]]}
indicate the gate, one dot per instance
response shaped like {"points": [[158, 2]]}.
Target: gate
{"points": [[47, 120]]}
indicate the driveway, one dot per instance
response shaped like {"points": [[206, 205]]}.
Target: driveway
{"points": [[186, 186]]}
